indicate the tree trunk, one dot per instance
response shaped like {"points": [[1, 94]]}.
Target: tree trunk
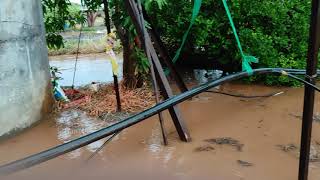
{"points": [[130, 79], [107, 16], [91, 17]]}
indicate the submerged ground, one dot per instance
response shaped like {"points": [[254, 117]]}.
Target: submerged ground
{"points": [[260, 140]]}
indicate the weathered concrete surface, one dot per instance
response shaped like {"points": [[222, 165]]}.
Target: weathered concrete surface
{"points": [[24, 73]]}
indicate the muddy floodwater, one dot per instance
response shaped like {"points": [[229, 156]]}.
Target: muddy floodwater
{"points": [[232, 139], [90, 68]]}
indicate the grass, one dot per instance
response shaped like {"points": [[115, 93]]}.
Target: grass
{"points": [[85, 47]]}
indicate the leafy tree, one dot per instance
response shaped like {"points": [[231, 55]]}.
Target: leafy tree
{"points": [[57, 13], [135, 64], [93, 6]]}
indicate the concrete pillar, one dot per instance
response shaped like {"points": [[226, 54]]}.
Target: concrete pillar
{"points": [[24, 67]]}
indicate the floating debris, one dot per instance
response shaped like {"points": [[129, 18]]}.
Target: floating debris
{"points": [[295, 115], [314, 153], [204, 148], [245, 163], [288, 147], [316, 117], [226, 141], [314, 150]]}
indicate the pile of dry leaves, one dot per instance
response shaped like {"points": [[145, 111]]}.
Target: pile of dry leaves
{"points": [[103, 101]]}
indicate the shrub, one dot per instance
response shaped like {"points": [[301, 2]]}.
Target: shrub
{"points": [[276, 32]]}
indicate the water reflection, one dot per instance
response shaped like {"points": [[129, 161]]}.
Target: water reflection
{"points": [[73, 124], [154, 145], [89, 69]]}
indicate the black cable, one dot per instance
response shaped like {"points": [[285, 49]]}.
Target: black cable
{"points": [[245, 96], [286, 73]]}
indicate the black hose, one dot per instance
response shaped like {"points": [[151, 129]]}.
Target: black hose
{"points": [[290, 74], [286, 72], [104, 132], [244, 96], [304, 82]]}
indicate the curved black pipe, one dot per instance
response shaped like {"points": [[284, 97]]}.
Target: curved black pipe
{"points": [[92, 137]]}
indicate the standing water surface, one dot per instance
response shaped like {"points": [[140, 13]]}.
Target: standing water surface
{"points": [[90, 68]]}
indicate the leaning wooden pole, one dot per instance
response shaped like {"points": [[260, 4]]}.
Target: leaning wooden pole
{"points": [[153, 76], [314, 42], [164, 53], [164, 84]]}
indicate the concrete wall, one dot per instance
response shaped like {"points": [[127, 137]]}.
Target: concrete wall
{"points": [[24, 74]]}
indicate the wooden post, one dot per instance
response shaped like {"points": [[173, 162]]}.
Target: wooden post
{"points": [[154, 81], [116, 89], [314, 43], [164, 84]]}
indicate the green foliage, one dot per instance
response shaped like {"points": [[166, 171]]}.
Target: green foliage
{"points": [[149, 3], [92, 5], [86, 46], [54, 40], [55, 15], [76, 16], [276, 32], [58, 13], [123, 20], [142, 63], [55, 75]]}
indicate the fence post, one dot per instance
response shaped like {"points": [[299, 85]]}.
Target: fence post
{"points": [[314, 41]]}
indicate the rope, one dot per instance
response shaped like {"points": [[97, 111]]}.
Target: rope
{"points": [[246, 59], [195, 12], [77, 55]]}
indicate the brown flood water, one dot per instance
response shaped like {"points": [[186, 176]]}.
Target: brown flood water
{"points": [[261, 125]]}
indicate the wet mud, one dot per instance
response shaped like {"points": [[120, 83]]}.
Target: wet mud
{"points": [[269, 137]]}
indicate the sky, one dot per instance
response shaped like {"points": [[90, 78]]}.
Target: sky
{"points": [[75, 1]]}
